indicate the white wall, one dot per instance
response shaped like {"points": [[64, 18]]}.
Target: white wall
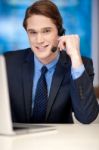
{"points": [[95, 39]]}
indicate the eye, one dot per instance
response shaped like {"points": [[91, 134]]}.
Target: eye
{"points": [[32, 32], [46, 31]]}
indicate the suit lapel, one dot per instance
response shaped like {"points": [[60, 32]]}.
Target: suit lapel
{"points": [[62, 69], [27, 76]]}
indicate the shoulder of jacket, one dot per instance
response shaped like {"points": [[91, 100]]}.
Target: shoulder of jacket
{"points": [[18, 54], [86, 60]]}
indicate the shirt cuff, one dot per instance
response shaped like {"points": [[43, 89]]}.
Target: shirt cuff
{"points": [[76, 73]]}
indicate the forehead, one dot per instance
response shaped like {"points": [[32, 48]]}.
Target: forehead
{"points": [[39, 21]]}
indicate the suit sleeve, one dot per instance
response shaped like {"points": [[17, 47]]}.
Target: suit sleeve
{"points": [[84, 103]]}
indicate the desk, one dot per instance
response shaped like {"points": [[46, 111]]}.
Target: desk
{"points": [[66, 137]]}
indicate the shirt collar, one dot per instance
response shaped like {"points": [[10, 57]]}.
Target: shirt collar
{"points": [[38, 64]]}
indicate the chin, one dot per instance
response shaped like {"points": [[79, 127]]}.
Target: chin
{"points": [[45, 58]]}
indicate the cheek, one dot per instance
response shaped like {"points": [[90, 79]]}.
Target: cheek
{"points": [[32, 44], [31, 39], [55, 38], [55, 41]]}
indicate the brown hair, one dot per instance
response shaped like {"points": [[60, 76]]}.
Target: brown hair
{"points": [[48, 9]]}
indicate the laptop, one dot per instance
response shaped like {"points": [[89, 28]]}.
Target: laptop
{"points": [[7, 127]]}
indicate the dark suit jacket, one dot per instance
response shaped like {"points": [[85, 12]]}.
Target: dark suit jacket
{"points": [[66, 94]]}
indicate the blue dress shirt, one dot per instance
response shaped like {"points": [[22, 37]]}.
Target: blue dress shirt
{"points": [[37, 72], [76, 73]]}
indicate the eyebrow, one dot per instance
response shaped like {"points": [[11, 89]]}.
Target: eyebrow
{"points": [[48, 28]]}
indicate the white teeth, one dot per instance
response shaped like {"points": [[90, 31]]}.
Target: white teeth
{"points": [[42, 48]]}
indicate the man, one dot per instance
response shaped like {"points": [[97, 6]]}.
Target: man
{"points": [[68, 82]]}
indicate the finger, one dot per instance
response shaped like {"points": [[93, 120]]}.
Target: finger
{"points": [[59, 47], [62, 45]]}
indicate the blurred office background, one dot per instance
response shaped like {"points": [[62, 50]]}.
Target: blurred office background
{"points": [[80, 17]]}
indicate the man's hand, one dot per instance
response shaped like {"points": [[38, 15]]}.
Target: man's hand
{"points": [[71, 43]]}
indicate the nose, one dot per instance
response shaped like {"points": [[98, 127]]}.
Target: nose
{"points": [[39, 38]]}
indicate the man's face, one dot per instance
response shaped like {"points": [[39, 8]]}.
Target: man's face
{"points": [[43, 35]]}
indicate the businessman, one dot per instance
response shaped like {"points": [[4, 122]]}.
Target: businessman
{"points": [[50, 80]]}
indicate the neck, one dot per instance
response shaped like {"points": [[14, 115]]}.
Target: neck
{"points": [[48, 60]]}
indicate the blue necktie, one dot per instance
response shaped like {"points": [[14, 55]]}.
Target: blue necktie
{"points": [[41, 98]]}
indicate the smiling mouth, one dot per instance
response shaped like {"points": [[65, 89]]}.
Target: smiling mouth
{"points": [[41, 48]]}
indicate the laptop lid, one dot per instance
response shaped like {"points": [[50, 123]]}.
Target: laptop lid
{"points": [[5, 114]]}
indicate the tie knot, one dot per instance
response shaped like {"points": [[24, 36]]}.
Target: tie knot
{"points": [[44, 69]]}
